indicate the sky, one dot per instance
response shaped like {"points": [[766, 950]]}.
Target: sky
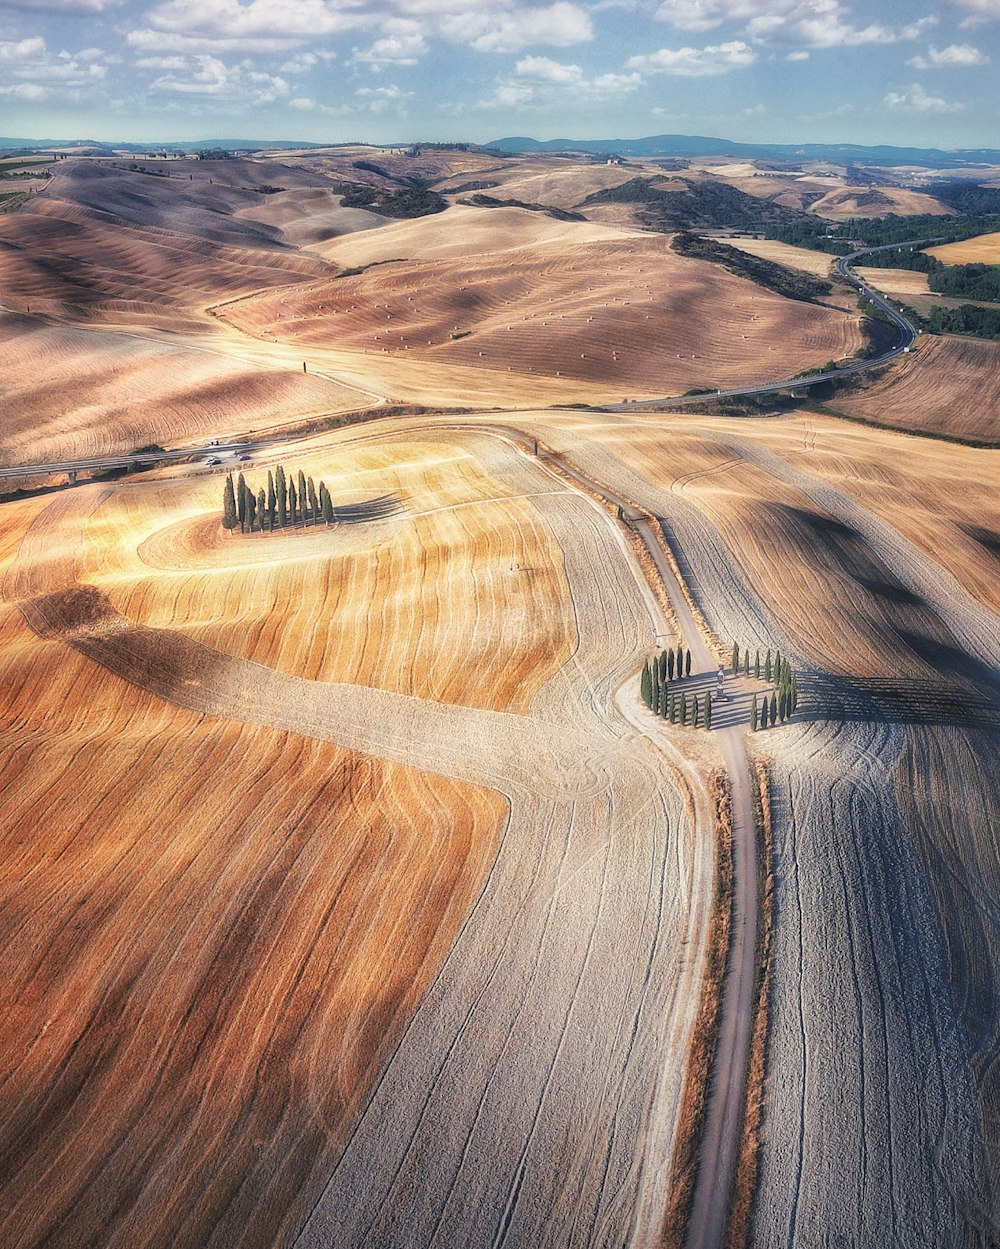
{"points": [[886, 71]]}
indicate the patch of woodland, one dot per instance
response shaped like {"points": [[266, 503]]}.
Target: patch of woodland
{"points": [[791, 283], [700, 206], [560, 214]]}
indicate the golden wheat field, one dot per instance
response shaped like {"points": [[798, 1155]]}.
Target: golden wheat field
{"points": [[983, 249], [352, 895]]}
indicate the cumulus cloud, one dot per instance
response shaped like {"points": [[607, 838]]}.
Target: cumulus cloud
{"points": [[403, 44], [209, 77], [705, 62], [382, 99], [916, 100], [559, 25], [304, 62], [813, 23], [538, 82], [979, 11], [32, 70], [955, 56], [800, 55]]}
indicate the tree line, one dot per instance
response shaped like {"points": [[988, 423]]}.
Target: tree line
{"points": [[287, 500], [777, 670], [657, 692]]}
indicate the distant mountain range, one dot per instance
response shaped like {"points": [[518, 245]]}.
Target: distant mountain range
{"points": [[185, 145], [701, 145]]}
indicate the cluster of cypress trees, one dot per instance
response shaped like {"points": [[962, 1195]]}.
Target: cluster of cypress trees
{"points": [[288, 500], [655, 686], [783, 702]]}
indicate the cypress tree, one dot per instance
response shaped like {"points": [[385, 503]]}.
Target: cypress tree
{"points": [[684, 709], [670, 663], [746, 663], [271, 499], [680, 661], [645, 684], [687, 663], [736, 658], [708, 709], [229, 517], [281, 490], [664, 707], [756, 666], [767, 665], [293, 500], [251, 509], [763, 713], [662, 665], [753, 714], [313, 500], [774, 709], [695, 717], [261, 509], [325, 503], [795, 694], [241, 502], [300, 494], [781, 706]]}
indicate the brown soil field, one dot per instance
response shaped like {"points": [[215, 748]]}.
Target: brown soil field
{"points": [[949, 385], [605, 311], [82, 392], [984, 249], [193, 1020], [851, 202]]}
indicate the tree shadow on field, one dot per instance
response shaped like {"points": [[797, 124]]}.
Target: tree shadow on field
{"points": [[898, 701]]}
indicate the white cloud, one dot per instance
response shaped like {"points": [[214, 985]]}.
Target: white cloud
{"points": [[539, 82], [210, 77], [979, 11], [800, 55], [695, 62], [403, 44], [559, 25], [916, 100], [25, 91], [304, 62], [758, 110], [382, 99], [812, 23], [955, 56], [30, 61]]}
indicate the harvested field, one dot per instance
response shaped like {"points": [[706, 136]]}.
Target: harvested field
{"points": [[614, 313], [597, 904], [82, 392], [818, 264], [896, 282], [884, 949], [984, 249], [876, 202], [949, 386]]}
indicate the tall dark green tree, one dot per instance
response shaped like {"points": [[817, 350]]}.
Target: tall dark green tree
{"points": [[708, 709], [230, 519], [735, 665], [281, 491], [662, 665], [795, 693], [251, 506], [763, 712], [767, 665], [680, 661], [687, 663], [271, 499], [325, 503], [300, 492], [670, 663], [293, 501], [695, 713], [241, 502], [646, 684], [774, 709], [313, 500], [756, 666], [753, 714], [261, 509]]}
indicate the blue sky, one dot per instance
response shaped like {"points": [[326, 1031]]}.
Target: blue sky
{"points": [[889, 71]]}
